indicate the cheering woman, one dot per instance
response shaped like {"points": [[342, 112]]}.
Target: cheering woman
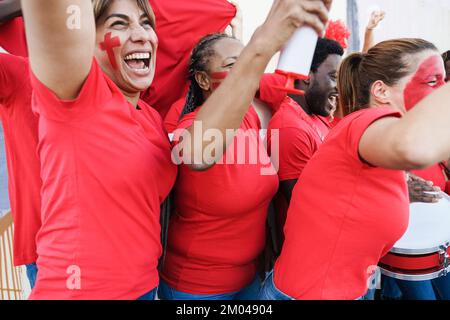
{"points": [[332, 247], [105, 159]]}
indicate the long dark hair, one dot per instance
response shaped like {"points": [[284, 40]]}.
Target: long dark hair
{"points": [[387, 61], [199, 60]]}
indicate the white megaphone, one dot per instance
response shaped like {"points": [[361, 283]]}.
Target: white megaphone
{"points": [[296, 58]]}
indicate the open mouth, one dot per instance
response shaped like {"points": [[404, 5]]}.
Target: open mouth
{"points": [[138, 61]]}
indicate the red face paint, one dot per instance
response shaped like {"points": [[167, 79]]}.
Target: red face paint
{"points": [[220, 76], [419, 87], [108, 45]]}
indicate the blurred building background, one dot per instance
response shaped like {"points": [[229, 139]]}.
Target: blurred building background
{"points": [[428, 19]]}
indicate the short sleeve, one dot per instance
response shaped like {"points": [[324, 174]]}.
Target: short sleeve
{"points": [[96, 91], [184, 123], [270, 95], [12, 37], [172, 117], [359, 125], [296, 148], [13, 74]]}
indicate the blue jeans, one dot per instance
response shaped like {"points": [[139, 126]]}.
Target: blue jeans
{"points": [[165, 292], [369, 296], [149, 295], [32, 274], [270, 292], [436, 289]]}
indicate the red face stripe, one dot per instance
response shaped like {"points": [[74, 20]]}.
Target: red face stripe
{"points": [[418, 87], [108, 45], [219, 75]]}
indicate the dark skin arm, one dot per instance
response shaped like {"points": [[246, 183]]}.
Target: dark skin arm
{"points": [[9, 9], [286, 188], [421, 190]]}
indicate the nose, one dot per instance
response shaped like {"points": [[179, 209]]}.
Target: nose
{"points": [[141, 34]]}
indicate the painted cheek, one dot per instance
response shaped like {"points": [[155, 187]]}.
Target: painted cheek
{"points": [[108, 45], [217, 78], [417, 89]]}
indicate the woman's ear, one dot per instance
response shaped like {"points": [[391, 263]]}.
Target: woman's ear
{"points": [[203, 81], [380, 92]]}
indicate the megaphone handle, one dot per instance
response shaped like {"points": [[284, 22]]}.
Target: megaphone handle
{"points": [[289, 86]]}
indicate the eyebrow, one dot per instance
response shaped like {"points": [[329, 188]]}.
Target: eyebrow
{"points": [[118, 15], [124, 16], [234, 57]]}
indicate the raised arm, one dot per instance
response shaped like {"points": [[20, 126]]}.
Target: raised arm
{"points": [[9, 9], [418, 140], [226, 107], [61, 39], [375, 18]]}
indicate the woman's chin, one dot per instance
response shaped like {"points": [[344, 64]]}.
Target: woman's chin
{"points": [[137, 84]]}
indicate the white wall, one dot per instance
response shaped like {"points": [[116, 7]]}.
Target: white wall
{"points": [[428, 19], [255, 12]]}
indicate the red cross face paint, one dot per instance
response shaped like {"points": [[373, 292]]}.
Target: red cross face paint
{"points": [[217, 78], [429, 76], [108, 45]]}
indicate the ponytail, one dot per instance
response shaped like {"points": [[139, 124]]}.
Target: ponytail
{"points": [[388, 61], [349, 83]]}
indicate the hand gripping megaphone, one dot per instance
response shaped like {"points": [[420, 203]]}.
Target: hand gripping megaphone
{"points": [[296, 58]]}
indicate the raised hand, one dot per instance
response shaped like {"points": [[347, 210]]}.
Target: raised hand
{"points": [[375, 18]]}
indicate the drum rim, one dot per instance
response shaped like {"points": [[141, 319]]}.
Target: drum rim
{"points": [[415, 277], [420, 251]]}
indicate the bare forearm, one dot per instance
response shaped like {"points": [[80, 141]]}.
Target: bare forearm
{"points": [[9, 9], [226, 108], [418, 140], [61, 37], [368, 40], [425, 129]]}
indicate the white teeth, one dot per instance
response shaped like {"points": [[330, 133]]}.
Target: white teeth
{"points": [[136, 56], [143, 69]]}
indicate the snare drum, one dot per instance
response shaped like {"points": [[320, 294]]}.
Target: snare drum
{"points": [[423, 251]]}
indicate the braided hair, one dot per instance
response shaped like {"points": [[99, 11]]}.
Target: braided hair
{"points": [[199, 60]]}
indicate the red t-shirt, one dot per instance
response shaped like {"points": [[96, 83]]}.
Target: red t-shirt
{"points": [[173, 116], [12, 37], [218, 229], [344, 216], [300, 136], [266, 93], [20, 127], [180, 25], [106, 167]]}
